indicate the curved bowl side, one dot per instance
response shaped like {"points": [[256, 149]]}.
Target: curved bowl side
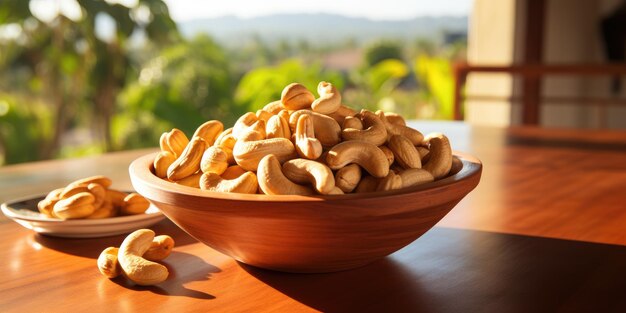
{"points": [[306, 234]]}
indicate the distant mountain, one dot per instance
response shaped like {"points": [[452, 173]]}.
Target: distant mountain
{"points": [[320, 28]]}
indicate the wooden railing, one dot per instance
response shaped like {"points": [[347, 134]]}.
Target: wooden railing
{"points": [[532, 100]]}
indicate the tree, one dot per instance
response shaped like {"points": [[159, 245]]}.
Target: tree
{"points": [[79, 70]]}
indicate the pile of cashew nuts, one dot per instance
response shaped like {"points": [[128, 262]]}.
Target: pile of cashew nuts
{"points": [[135, 258], [303, 145], [91, 198]]}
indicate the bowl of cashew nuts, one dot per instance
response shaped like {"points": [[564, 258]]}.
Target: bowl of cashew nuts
{"points": [[306, 184]]}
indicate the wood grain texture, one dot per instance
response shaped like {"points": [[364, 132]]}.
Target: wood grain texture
{"points": [[546, 182], [536, 183], [48, 274], [306, 234], [446, 270]]}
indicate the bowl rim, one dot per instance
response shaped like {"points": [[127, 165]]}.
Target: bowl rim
{"points": [[140, 171]]}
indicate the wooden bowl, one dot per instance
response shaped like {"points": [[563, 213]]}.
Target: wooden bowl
{"points": [[307, 234]]}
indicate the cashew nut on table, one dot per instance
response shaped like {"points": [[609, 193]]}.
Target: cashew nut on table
{"points": [[135, 258]]}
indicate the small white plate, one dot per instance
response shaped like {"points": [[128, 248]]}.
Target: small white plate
{"points": [[24, 211]]}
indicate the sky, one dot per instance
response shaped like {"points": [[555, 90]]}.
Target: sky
{"points": [[184, 10]]}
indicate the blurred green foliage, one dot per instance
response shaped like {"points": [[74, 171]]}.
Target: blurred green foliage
{"points": [[21, 128], [184, 86]]}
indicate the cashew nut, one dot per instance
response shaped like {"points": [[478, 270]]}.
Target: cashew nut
{"points": [[367, 184], [390, 182], [189, 160], [307, 145], [244, 122], [77, 206], [134, 266], [440, 160], [233, 172], [415, 176], [192, 180], [95, 189], [273, 107], [295, 97], [342, 113], [457, 165], [163, 143], [98, 192], [246, 183], [352, 122], [214, 160], [326, 129], [71, 190], [405, 153], [46, 205], [106, 210], [286, 114], [108, 264], [256, 131], [98, 179], [395, 129], [249, 153], [348, 177], [263, 115], [365, 154], [134, 203], [116, 197], [309, 171], [160, 248], [329, 100], [395, 118], [424, 153], [227, 144], [388, 154], [177, 141], [336, 191], [272, 181], [375, 131], [220, 137], [162, 162], [209, 131], [277, 127]]}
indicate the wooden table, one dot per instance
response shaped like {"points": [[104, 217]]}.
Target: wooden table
{"points": [[544, 231]]}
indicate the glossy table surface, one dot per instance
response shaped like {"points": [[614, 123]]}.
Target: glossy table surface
{"points": [[544, 231]]}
